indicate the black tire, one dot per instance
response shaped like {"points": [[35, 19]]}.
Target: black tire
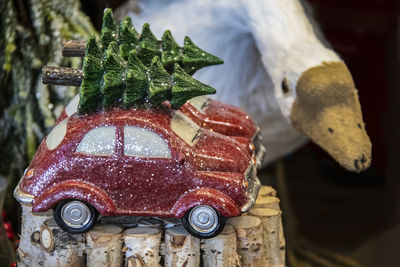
{"points": [[88, 223], [219, 225]]}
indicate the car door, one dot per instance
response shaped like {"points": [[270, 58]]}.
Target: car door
{"points": [[153, 177], [95, 159]]}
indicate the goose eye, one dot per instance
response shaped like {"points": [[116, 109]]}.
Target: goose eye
{"points": [[359, 125], [285, 86]]}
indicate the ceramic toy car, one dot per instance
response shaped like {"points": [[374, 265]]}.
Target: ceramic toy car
{"points": [[140, 162], [212, 115]]}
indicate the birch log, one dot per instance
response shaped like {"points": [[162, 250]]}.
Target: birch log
{"points": [[267, 202], [270, 222], [30, 252], [182, 249], [142, 247], [61, 249], [104, 246], [266, 191], [220, 251], [249, 233]]}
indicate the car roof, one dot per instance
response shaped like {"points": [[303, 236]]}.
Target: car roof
{"points": [[159, 118]]}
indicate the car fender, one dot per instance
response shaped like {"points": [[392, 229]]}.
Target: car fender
{"points": [[76, 190], [206, 196]]}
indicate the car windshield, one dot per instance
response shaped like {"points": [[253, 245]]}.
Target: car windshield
{"points": [[199, 102], [185, 128]]}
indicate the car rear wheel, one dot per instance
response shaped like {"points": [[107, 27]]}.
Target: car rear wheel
{"points": [[203, 222], [74, 216]]}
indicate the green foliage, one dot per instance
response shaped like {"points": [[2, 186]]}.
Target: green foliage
{"points": [[149, 46], [113, 83], [171, 51], [160, 83], [133, 71], [186, 87], [128, 37], [109, 29], [137, 82], [89, 93], [194, 58]]}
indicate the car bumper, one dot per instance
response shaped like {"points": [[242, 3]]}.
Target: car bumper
{"points": [[259, 148], [254, 187], [22, 197]]}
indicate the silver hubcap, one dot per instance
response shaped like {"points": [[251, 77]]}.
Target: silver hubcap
{"points": [[203, 219], [75, 214]]}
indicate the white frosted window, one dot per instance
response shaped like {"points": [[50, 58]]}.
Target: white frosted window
{"points": [[56, 135], [199, 102], [141, 142], [98, 141], [72, 106], [185, 128]]}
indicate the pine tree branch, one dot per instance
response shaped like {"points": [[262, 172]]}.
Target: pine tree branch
{"points": [[62, 76]]}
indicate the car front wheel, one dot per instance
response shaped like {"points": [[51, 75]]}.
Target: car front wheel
{"points": [[203, 222], [74, 216]]}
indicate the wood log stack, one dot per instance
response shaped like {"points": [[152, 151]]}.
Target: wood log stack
{"points": [[253, 239]]}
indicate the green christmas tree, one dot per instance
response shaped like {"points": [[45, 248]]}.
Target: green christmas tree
{"points": [[194, 58], [186, 87], [134, 71], [128, 37], [137, 82], [149, 45], [89, 93], [109, 30], [190, 57], [113, 84], [171, 51]]}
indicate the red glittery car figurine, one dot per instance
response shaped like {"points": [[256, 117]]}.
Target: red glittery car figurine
{"points": [[214, 116], [139, 162]]}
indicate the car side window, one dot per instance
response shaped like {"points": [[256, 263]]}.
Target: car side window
{"points": [[98, 141], [140, 142]]}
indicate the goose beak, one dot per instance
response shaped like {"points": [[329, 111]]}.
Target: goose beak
{"points": [[328, 111]]}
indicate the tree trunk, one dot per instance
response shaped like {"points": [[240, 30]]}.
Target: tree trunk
{"points": [[142, 246], [182, 249], [61, 249], [270, 222], [249, 233], [220, 251], [30, 252], [104, 246]]}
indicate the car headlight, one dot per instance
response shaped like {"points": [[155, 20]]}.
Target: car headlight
{"points": [[29, 174]]}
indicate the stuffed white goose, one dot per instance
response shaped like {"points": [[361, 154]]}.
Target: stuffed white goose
{"points": [[277, 67]]}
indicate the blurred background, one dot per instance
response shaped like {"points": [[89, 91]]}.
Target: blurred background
{"points": [[353, 215]]}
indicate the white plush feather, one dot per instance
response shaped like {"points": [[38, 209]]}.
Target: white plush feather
{"points": [[261, 43]]}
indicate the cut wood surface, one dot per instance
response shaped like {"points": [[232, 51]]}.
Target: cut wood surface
{"points": [[267, 202], [255, 239], [266, 191]]}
